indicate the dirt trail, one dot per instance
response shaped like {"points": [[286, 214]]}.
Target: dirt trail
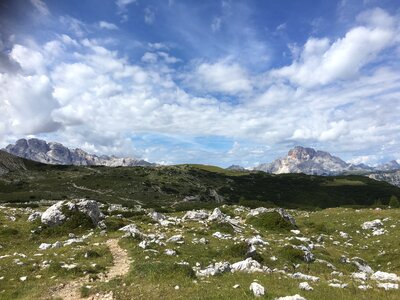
{"points": [[71, 290]]}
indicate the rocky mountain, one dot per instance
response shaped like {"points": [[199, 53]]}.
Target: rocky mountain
{"points": [[312, 162], [393, 177], [10, 163], [390, 166], [58, 154], [236, 168]]}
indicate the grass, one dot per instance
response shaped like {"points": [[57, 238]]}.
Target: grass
{"points": [[270, 221]]}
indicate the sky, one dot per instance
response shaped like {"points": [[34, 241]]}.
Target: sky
{"points": [[213, 82]]}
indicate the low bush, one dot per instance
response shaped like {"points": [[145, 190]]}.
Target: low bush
{"points": [[270, 221]]}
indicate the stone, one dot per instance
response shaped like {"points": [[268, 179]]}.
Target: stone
{"points": [[302, 276], [248, 265], [288, 217], [294, 297], [372, 224], [217, 215], [170, 252], [305, 286], [384, 276], [388, 286], [53, 215], [175, 239], [34, 216], [195, 215], [257, 289], [214, 269], [44, 246]]}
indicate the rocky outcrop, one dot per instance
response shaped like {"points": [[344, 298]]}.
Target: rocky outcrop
{"points": [[58, 154], [56, 214]]}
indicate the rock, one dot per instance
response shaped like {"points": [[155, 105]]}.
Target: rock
{"points": [[364, 287], [248, 265], [362, 265], [170, 252], [91, 209], [305, 286], [295, 231], [257, 289], [295, 297], [388, 286], [338, 285], [288, 217], [131, 230], [217, 215], [344, 235], [73, 241], [379, 231], [214, 269], [372, 224], [69, 266], [383, 276], [34, 216], [221, 236], [256, 240], [302, 276], [195, 215], [236, 286], [44, 246], [175, 239], [57, 245], [156, 216], [23, 278], [258, 210], [360, 275], [53, 215]]}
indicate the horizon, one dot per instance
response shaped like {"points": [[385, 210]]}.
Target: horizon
{"points": [[216, 82]]}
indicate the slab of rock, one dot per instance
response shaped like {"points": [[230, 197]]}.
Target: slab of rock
{"points": [[305, 286], [195, 215], [53, 215], [294, 297], [214, 269], [131, 230], [388, 286], [372, 224], [383, 276], [34, 216], [175, 239], [248, 265], [257, 289], [302, 276], [44, 246]]}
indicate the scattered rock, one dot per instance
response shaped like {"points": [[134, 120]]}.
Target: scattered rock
{"points": [[305, 286], [213, 269], [372, 224], [295, 297], [383, 276], [195, 215], [302, 276], [170, 252], [175, 239], [34, 216], [257, 289], [44, 246], [248, 265], [388, 286]]}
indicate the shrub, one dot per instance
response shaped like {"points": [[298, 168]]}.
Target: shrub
{"points": [[292, 255], [221, 227], [270, 221], [394, 202]]}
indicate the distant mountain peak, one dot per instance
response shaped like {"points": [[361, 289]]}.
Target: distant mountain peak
{"points": [[308, 161], [56, 153]]}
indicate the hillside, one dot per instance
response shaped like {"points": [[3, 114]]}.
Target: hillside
{"points": [[189, 185], [9, 163]]}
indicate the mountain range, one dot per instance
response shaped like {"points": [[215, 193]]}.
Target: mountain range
{"points": [[58, 154], [316, 162]]}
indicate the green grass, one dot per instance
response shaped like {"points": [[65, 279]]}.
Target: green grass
{"points": [[270, 221]]}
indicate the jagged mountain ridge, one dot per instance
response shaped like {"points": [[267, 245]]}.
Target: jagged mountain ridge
{"points": [[58, 154], [316, 162], [393, 177]]}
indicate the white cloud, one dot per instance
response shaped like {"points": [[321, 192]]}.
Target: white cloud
{"points": [[79, 92], [41, 7], [322, 62], [123, 3], [216, 24], [107, 25], [149, 15], [221, 77]]}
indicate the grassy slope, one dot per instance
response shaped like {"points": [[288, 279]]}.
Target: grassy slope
{"points": [[163, 186], [156, 276]]}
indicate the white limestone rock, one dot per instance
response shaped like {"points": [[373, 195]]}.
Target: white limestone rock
{"points": [[305, 286], [44, 246], [384, 276], [214, 269], [294, 297], [248, 265], [257, 289], [388, 286], [195, 215], [372, 224], [34, 216]]}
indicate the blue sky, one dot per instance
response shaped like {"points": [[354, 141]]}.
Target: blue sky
{"points": [[216, 82]]}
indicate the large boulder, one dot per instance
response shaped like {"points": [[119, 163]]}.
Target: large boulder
{"points": [[55, 214]]}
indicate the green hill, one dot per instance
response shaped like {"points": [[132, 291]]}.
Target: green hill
{"points": [[168, 186]]}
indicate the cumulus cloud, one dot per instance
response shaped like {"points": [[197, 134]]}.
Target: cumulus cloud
{"points": [[322, 61], [220, 77], [41, 7], [80, 92], [107, 25], [149, 15]]}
